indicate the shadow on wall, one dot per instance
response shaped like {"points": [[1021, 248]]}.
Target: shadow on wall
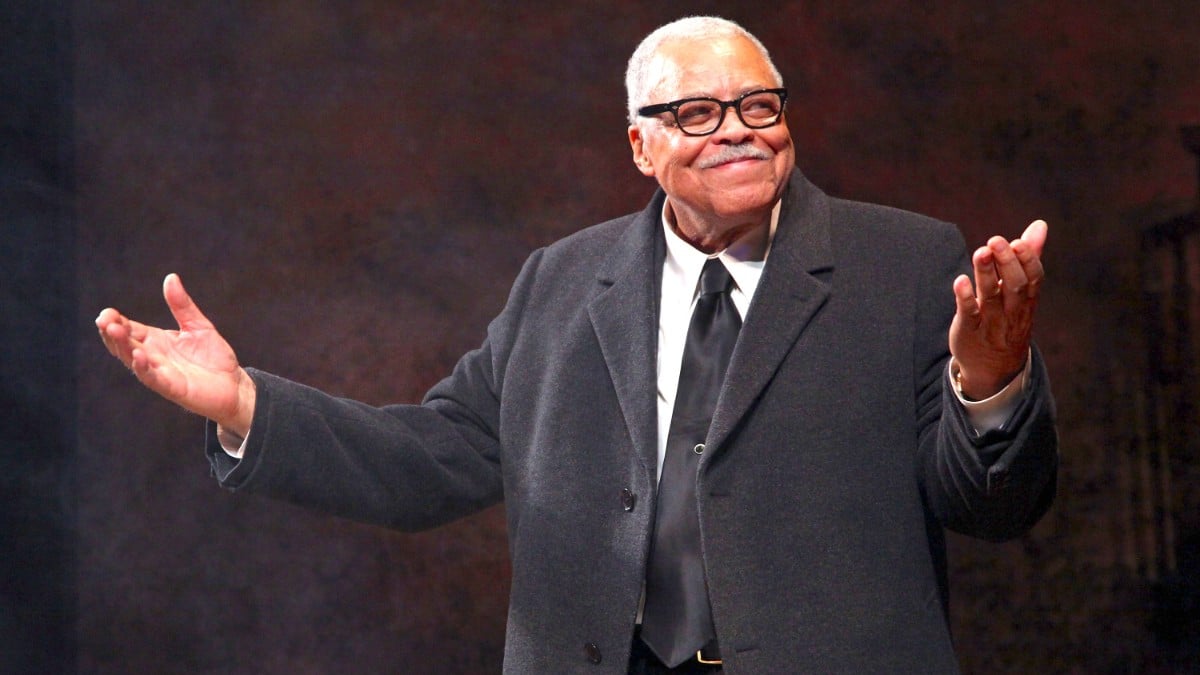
{"points": [[1164, 460]]}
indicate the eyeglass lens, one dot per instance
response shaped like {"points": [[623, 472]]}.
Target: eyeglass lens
{"points": [[760, 109]]}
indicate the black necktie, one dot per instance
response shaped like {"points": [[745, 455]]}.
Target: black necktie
{"points": [[677, 620]]}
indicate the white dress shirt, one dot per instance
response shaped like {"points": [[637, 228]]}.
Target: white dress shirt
{"points": [[744, 259]]}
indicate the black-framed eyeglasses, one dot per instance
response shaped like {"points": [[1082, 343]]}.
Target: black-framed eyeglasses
{"points": [[702, 116]]}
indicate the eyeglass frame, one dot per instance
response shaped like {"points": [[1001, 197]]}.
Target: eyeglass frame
{"points": [[673, 108]]}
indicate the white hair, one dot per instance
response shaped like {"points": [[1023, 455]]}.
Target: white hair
{"points": [[645, 70]]}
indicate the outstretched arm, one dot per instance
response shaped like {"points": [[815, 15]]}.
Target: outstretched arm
{"points": [[193, 366], [993, 322]]}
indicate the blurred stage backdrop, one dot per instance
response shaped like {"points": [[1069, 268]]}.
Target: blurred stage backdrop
{"points": [[348, 188]]}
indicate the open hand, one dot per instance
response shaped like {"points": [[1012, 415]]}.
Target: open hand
{"points": [[993, 322], [193, 366]]}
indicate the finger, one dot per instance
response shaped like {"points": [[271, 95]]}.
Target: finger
{"points": [[117, 333], [139, 363], [145, 370], [185, 311], [966, 306], [987, 281], [1031, 265], [1012, 275], [1028, 249], [1008, 266], [121, 328], [1035, 236], [107, 317]]}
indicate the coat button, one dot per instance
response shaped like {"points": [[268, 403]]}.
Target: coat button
{"points": [[997, 480], [592, 651], [699, 449], [628, 499]]}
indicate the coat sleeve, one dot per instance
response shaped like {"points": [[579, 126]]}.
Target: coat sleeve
{"points": [[408, 467], [994, 485]]}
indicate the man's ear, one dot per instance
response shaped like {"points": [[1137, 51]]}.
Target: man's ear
{"points": [[638, 144]]}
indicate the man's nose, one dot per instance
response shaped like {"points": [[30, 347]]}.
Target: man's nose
{"points": [[732, 129]]}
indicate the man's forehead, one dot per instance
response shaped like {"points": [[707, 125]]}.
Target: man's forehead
{"points": [[691, 66]]}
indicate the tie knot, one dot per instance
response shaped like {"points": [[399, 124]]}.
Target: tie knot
{"points": [[714, 278]]}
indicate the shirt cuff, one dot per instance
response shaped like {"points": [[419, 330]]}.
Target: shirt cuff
{"points": [[231, 443], [992, 412]]}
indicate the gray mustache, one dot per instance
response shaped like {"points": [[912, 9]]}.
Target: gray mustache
{"points": [[732, 153]]}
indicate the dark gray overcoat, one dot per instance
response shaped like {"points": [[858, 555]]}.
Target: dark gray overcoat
{"points": [[836, 457]]}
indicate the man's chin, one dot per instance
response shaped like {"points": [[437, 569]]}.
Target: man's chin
{"points": [[748, 198], [743, 210]]}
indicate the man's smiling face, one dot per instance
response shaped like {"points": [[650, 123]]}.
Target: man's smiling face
{"points": [[732, 177]]}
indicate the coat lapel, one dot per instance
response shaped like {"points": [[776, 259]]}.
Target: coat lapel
{"points": [[789, 294], [624, 315]]}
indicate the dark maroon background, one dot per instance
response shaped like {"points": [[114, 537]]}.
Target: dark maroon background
{"points": [[348, 189]]}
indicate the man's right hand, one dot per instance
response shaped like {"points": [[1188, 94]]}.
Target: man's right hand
{"points": [[193, 366]]}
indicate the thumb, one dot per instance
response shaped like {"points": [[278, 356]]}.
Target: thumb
{"points": [[185, 311]]}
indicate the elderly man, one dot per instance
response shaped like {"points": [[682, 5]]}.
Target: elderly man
{"points": [[729, 430]]}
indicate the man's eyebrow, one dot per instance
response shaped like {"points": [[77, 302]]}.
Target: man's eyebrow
{"points": [[693, 94], [706, 94]]}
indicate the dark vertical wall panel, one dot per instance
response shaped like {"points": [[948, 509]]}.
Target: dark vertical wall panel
{"points": [[38, 312]]}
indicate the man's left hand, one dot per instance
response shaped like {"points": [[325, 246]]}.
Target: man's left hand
{"points": [[993, 322]]}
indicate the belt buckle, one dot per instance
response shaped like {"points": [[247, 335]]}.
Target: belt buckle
{"points": [[707, 662]]}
